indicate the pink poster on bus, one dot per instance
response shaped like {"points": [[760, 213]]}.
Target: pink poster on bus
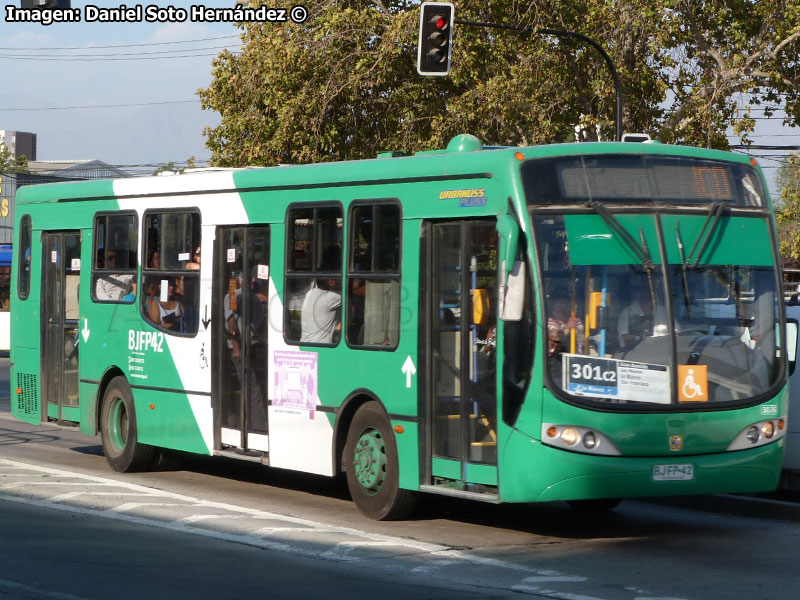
{"points": [[295, 379]]}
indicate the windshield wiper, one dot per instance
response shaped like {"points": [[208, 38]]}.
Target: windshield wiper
{"points": [[641, 252], [687, 300], [715, 212]]}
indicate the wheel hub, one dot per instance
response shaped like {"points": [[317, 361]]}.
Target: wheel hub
{"points": [[370, 461], [118, 425]]}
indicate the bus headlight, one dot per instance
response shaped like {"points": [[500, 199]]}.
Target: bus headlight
{"points": [[752, 434], [578, 439], [570, 436], [759, 434]]}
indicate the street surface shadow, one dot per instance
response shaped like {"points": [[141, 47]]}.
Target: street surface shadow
{"points": [[251, 472], [12, 437], [94, 450], [556, 519]]}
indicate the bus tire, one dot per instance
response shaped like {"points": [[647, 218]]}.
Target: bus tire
{"points": [[371, 466], [595, 505], [118, 430]]}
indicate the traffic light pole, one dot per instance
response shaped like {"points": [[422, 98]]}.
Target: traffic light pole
{"points": [[564, 34]]}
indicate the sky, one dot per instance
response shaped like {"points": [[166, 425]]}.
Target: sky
{"points": [[136, 103], [49, 70]]}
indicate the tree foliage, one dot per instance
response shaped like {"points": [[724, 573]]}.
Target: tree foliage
{"points": [[12, 164], [343, 84], [788, 215]]}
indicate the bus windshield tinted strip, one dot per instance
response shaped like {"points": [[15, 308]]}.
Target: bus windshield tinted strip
{"points": [[641, 179]]}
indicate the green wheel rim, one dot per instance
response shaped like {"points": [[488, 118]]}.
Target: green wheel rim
{"points": [[117, 424], [370, 461]]}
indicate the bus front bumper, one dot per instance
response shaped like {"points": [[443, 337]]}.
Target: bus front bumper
{"points": [[534, 472]]}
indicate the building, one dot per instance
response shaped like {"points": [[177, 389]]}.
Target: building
{"points": [[19, 143]]}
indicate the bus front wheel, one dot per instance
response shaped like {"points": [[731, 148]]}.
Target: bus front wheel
{"points": [[118, 430], [371, 466]]}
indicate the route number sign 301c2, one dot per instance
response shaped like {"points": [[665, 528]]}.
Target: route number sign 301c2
{"points": [[608, 377]]}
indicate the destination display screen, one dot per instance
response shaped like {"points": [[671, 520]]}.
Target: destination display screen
{"points": [[642, 178]]}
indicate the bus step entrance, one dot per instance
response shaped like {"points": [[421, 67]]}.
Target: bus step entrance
{"points": [[241, 454]]}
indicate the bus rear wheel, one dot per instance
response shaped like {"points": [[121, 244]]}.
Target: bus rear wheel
{"points": [[371, 466], [118, 430]]}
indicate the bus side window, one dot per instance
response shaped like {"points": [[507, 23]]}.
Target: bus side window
{"points": [[115, 263], [24, 253], [313, 295], [170, 279], [373, 275]]}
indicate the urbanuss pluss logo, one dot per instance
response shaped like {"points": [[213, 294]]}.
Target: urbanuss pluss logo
{"points": [[676, 442]]}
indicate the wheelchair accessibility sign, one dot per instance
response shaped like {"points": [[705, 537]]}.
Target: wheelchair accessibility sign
{"points": [[692, 383]]}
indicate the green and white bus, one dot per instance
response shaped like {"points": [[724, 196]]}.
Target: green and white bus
{"points": [[578, 322]]}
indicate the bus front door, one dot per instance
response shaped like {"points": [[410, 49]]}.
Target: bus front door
{"points": [[241, 299], [61, 258], [462, 327]]}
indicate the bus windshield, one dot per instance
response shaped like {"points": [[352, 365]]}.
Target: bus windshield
{"points": [[633, 323]]}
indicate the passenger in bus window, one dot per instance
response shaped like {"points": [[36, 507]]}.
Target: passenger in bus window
{"points": [[560, 324], [230, 308], [112, 286], [194, 264], [321, 313], [167, 313]]}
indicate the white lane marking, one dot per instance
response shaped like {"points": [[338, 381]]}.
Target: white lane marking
{"points": [[196, 502], [343, 550], [66, 496], [131, 506], [197, 518], [19, 484], [554, 593], [437, 556], [29, 589], [553, 577]]}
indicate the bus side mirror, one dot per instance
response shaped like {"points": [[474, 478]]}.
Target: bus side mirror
{"points": [[512, 295], [508, 231], [512, 272]]}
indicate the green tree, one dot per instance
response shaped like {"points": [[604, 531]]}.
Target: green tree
{"points": [[343, 84], [173, 168], [788, 214], [12, 164]]}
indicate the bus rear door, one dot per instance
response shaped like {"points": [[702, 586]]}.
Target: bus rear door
{"points": [[61, 251], [241, 294]]}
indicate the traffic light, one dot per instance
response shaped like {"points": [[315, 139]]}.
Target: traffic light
{"points": [[435, 38]]}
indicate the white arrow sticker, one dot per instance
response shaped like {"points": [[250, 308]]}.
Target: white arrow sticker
{"points": [[408, 370], [85, 332]]}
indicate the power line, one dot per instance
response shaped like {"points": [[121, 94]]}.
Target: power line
{"points": [[224, 37], [102, 105], [763, 147], [67, 59], [72, 56]]}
